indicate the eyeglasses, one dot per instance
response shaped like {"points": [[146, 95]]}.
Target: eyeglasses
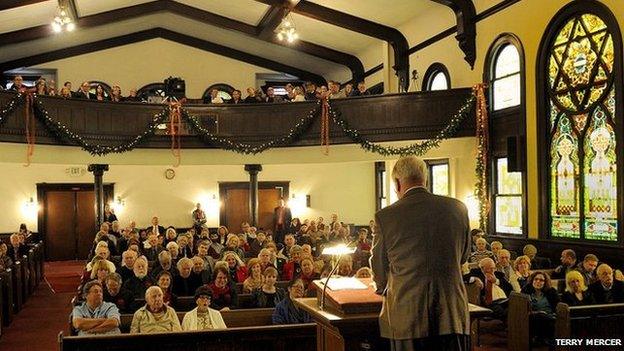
{"points": [[539, 279]]}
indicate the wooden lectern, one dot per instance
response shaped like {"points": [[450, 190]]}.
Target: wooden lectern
{"points": [[349, 321]]}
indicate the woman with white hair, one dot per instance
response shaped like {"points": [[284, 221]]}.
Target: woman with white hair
{"points": [[174, 250], [482, 252], [155, 316]]}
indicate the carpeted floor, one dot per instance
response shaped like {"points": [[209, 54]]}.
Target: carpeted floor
{"points": [[46, 312]]}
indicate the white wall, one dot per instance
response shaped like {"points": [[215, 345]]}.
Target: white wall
{"points": [[342, 182], [138, 64]]}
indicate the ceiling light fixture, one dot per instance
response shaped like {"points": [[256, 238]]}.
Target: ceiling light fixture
{"points": [[62, 20], [286, 30]]}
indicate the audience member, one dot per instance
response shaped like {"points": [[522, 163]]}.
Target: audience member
{"points": [[252, 96], [607, 289], [84, 92], [199, 273], [364, 272], [183, 283], [536, 261], [16, 250], [504, 265], [100, 94], [114, 293], [481, 252], [18, 84], [308, 275], [127, 264], [495, 288], [223, 289], [286, 312], [268, 295], [100, 270], [568, 263], [292, 268], [576, 293], [236, 97], [116, 94], [237, 270], [155, 316], [544, 300], [588, 268], [255, 278], [271, 97], [163, 280], [140, 281], [94, 316], [203, 317], [522, 266]]}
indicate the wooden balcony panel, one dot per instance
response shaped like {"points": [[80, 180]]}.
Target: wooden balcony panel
{"points": [[392, 117]]}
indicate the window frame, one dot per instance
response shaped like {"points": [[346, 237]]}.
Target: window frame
{"points": [[438, 162], [431, 72], [506, 123], [219, 86], [563, 15]]}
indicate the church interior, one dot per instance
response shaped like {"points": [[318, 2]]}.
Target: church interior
{"points": [[235, 142]]}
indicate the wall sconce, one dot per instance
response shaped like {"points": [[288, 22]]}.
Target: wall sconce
{"points": [[30, 208], [299, 203], [118, 204]]}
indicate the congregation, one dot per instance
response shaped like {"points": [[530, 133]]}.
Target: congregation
{"points": [[155, 272], [293, 93]]}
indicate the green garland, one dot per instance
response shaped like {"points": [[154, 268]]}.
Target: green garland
{"points": [[63, 133], [226, 144], [418, 148]]}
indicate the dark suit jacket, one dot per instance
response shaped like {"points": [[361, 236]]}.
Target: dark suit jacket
{"points": [[22, 250], [161, 229], [502, 281], [602, 296], [418, 248], [287, 218], [81, 95]]}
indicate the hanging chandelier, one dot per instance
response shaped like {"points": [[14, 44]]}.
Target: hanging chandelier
{"points": [[286, 30], [62, 20]]}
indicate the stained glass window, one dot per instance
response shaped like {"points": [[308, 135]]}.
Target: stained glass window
{"points": [[508, 199], [506, 78], [582, 143]]}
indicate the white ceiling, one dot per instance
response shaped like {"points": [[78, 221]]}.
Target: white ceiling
{"points": [[392, 13]]}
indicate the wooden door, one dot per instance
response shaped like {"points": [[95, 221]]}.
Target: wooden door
{"points": [[236, 209], [85, 219], [61, 239], [268, 199]]}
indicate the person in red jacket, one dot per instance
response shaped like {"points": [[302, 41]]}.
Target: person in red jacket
{"points": [[236, 267], [292, 268]]}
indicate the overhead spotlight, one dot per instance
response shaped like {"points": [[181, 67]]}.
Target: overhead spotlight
{"points": [[286, 30], [62, 20]]}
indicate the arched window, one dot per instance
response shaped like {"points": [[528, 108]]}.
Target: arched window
{"points": [[436, 78], [152, 93], [579, 82], [225, 91], [504, 73]]}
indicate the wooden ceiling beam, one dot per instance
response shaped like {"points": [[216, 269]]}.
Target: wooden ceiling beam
{"points": [[350, 61], [465, 13], [165, 34], [11, 4], [360, 25]]}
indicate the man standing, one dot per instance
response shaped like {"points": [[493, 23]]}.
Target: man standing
{"points": [[95, 316], [156, 228], [281, 220], [418, 248]]}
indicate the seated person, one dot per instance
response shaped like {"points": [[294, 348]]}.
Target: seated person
{"points": [[140, 281], [236, 267], [255, 279], [127, 264], [481, 253], [183, 283], [164, 264], [268, 295], [265, 257], [202, 252], [495, 289], [606, 289], [363, 251], [308, 275], [184, 247], [151, 249], [258, 244], [199, 272], [286, 312], [544, 299], [504, 265], [345, 266], [536, 261], [215, 249], [155, 316], [496, 246], [174, 251], [588, 269], [16, 250], [203, 317], [224, 296], [94, 316], [568, 263], [522, 266], [100, 271], [163, 280], [576, 293], [292, 268], [364, 272], [114, 293], [232, 244], [5, 260]]}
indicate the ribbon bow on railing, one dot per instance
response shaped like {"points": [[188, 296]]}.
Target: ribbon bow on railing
{"points": [[175, 125]]}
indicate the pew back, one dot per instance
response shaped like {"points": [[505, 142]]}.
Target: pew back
{"points": [[594, 321]]}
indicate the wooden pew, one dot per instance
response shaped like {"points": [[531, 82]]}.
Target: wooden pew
{"points": [[518, 314], [25, 273], [301, 337], [590, 322], [17, 286], [32, 272], [6, 285]]}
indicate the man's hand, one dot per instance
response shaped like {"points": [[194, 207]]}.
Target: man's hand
{"points": [[490, 277]]}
